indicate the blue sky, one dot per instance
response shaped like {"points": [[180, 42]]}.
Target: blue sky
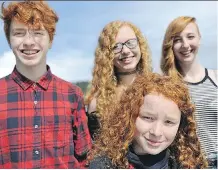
{"points": [[80, 23]]}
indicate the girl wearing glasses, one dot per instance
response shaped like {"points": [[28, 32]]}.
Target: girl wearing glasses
{"points": [[122, 53], [151, 128], [179, 60]]}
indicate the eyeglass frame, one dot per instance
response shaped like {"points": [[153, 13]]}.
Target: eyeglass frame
{"points": [[125, 45]]}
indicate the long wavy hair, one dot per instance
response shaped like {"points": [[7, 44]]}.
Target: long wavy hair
{"points": [[118, 130], [35, 14], [104, 80], [169, 64]]}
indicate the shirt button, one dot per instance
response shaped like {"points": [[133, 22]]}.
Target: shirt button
{"points": [[36, 152], [36, 126], [35, 102]]}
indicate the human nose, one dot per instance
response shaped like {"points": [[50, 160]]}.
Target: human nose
{"points": [[29, 41], [185, 43], [156, 129], [125, 49]]}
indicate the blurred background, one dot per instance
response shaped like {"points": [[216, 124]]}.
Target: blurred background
{"points": [[80, 23]]}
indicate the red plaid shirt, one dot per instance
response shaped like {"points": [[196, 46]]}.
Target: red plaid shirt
{"points": [[43, 124]]}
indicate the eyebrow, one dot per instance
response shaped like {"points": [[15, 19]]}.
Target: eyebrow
{"points": [[178, 36], [191, 33], [148, 113], [126, 40], [153, 114], [171, 118], [18, 29], [43, 30], [23, 29]]}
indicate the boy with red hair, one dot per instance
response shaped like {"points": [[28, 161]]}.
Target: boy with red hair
{"points": [[42, 118]]}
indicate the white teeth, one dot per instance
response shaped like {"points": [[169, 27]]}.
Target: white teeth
{"points": [[29, 52], [186, 52], [124, 58]]}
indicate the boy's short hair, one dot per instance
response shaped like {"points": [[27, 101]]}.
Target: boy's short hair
{"points": [[34, 14]]}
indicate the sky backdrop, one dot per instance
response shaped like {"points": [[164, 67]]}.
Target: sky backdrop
{"points": [[80, 24]]}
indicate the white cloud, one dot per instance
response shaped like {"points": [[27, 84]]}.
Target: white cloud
{"points": [[153, 17], [71, 65], [7, 62]]}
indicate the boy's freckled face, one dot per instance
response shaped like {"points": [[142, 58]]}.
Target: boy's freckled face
{"points": [[29, 46]]}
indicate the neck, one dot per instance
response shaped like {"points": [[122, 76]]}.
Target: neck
{"points": [[126, 73], [193, 72], [126, 80], [148, 159], [33, 73], [123, 82]]}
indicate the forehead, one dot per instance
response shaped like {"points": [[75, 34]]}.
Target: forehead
{"points": [[190, 28], [19, 25], [157, 103], [125, 33]]}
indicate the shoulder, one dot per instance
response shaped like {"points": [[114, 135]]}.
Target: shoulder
{"points": [[65, 85], [92, 105], [93, 119], [213, 74], [173, 164], [101, 162], [5, 80]]}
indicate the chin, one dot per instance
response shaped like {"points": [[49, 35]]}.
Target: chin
{"points": [[129, 68], [187, 60], [154, 151], [29, 62]]}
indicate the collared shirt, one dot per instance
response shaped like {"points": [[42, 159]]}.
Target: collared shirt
{"points": [[42, 124]]}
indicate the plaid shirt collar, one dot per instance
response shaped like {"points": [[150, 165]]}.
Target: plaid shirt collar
{"points": [[25, 83]]}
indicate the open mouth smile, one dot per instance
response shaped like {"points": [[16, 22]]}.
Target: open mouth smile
{"points": [[186, 52], [29, 52], [153, 142], [125, 58]]}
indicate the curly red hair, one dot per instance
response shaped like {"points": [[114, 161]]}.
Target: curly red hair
{"points": [[118, 129], [35, 14], [105, 82]]}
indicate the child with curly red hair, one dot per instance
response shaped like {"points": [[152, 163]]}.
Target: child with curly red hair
{"points": [[151, 127]]}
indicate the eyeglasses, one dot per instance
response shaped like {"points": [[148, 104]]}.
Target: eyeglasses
{"points": [[131, 44]]}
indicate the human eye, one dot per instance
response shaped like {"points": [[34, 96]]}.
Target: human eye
{"points": [[19, 34], [148, 118], [117, 46], [177, 40], [191, 37], [131, 43], [168, 122], [38, 33]]}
